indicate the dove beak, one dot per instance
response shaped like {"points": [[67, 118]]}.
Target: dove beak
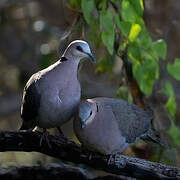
{"points": [[91, 57], [83, 124]]}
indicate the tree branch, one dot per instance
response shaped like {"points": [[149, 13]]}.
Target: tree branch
{"points": [[51, 171], [67, 150]]}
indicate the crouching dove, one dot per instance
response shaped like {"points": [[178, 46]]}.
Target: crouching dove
{"points": [[109, 126], [52, 95]]}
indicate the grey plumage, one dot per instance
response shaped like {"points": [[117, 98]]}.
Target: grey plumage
{"points": [[52, 95], [110, 125]]}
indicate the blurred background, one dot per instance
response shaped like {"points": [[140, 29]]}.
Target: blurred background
{"points": [[34, 34]]}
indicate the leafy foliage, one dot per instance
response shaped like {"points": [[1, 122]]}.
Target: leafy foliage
{"points": [[171, 103], [174, 69], [174, 132], [87, 7], [106, 20], [119, 25]]}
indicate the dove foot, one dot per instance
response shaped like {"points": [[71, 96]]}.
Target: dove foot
{"points": [[45, 137]]}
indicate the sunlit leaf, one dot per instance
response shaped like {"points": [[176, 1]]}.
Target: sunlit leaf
{"points": [[174, 69], [87, 7], [161, 48], [134, 32]]}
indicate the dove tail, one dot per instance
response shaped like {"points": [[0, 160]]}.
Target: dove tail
{"points": [[153, 137]]}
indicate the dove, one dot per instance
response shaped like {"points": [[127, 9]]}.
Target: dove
{"points": [[109, 125], [52, 95]]}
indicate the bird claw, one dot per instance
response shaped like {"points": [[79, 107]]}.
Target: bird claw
{"points": [[45, 137], [90, 156], [111, 158]]}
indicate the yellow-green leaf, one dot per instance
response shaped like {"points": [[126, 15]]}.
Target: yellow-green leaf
{"points": [[134, 32]]}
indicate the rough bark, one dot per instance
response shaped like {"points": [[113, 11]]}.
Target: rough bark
{"points": [[51, 171], [67, 150]]}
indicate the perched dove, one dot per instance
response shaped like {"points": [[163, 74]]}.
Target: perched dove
{"points": [[52, 95], [109, 126]]}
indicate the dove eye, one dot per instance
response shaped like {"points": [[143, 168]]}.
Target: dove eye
{"points": [[79, 48], [90, 113]]}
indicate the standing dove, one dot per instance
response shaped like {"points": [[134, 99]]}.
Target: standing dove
{"points": [[109, 126], [52, 95]]}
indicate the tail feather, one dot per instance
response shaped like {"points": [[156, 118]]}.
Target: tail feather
{"points": [[153, 137]]}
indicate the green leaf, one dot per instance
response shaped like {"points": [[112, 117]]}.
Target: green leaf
{"points": [[138, 6], [113, 1], [174, 69], [128, 12], [149, 53], [144, 39], [87, 7], [75, 3], [124, 93], [145, 74], [106, 20], [108, 40], [171, 107], [134, 53], [174, 132], [94, 30], [171, 103], [168, 89], [102, 5], [161, 48], [123, 26], [134, 32]]}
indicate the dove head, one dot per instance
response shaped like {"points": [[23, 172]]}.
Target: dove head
{"points": [[87, 112], [79, 49]]}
